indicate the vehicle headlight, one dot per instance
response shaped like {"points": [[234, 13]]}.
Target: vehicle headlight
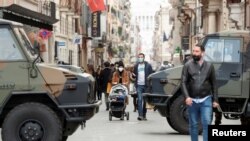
{"points": [[90, 93]]}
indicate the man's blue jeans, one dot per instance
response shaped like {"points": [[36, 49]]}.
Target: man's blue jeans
{"points": [[201, 111], [141, 103]]}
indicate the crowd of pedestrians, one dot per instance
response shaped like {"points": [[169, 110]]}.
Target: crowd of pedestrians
{"points": [[200, 105], [133, 77]]}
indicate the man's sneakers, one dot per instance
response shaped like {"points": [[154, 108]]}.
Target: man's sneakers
{"points": [[142, 118]]}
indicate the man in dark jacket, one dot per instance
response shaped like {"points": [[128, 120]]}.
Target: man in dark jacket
{"points": [[104, 79], [200, 91], [141, 71]]}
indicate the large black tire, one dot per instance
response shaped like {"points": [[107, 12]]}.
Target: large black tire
{"points": [[178, 118], [32, 122], [170, 124]]}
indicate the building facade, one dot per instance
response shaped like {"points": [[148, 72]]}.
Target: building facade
{"points": [[118, 30], [196, 18], [71, 39], [135, 40], [162, 32]]}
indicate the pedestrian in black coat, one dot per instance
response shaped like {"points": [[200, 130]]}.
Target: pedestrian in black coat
{"points": [[104, 80]]}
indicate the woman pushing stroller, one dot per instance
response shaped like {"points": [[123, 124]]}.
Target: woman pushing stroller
{"points": [[121, 76], [119, 93]]}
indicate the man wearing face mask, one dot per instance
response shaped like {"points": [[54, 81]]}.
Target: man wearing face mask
{"points": [[141, 71], [121, 76], [199, 88]]}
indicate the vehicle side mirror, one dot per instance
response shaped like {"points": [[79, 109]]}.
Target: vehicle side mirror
{"points": [[33, 73], [36, 47]]}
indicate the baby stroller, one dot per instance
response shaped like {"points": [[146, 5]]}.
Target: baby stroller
{"points": [[118, 98]]}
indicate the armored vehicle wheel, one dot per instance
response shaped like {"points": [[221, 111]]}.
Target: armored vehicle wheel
{"points": [[179, 116], [110, 116], [170, 124], [31, 122], [127, 115]]}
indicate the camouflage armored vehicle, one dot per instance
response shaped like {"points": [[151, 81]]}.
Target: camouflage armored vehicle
{"points": [[39, 102], [229, 51]]}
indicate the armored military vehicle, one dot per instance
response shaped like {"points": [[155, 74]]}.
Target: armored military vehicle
{"points": [[39, 102], [229, 51]]}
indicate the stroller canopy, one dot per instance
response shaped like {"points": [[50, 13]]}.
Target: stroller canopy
{"points": [[118, 90]]}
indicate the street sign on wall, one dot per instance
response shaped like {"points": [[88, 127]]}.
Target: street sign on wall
{"points": [[96, 24], [77, 39], [60, 43]]}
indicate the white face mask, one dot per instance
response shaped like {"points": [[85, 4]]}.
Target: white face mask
{"points": [[120, 69], [140, 60]]}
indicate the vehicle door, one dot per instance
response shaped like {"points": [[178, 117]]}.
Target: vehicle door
{"points": [[13, 65], [226, 56]]}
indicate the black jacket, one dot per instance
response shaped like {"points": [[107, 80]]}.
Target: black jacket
{"points": [[199, 81], [105, 78]]}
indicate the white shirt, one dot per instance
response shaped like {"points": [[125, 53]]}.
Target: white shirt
{"points": [[197, 100], [141, 74]]}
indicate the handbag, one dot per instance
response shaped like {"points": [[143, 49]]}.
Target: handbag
{"points": [[109, 85]]}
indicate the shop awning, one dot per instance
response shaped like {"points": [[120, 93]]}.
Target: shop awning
{"points": [[23, 15]]}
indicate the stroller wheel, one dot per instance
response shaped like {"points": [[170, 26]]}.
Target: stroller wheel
{"points": [[127, 115], [122, 117], [110, 116]]}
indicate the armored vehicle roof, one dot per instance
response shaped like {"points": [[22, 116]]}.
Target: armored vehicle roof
{"points": [[2, 21], [229, 33]]}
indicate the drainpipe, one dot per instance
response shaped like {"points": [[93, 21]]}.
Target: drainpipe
{"points": [[245, 14]]}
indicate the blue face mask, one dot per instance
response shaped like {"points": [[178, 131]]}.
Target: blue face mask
{"points": [[140, 60]]}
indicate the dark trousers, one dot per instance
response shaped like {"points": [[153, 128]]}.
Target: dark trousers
{"points": [[107, 100], [99, 94], [135, 102]]}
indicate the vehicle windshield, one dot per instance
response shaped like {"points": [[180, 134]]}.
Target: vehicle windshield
{"points": [[25, 42], [222, 50]]}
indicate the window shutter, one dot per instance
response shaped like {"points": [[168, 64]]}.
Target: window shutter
{"points": [[248, 16]]}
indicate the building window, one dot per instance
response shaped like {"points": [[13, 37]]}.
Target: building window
{"points": [[248, 16], [70, 57], [233, 1], [62, 25], [66, 27]]}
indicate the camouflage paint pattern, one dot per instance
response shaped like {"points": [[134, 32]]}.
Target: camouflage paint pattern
{"points": [[63, 94], [54, 79], [64, 86], [232, 77]]}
